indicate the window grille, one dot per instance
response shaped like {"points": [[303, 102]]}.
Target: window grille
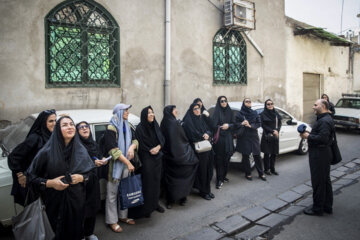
{"points": [[82, 46], [229, 58]]}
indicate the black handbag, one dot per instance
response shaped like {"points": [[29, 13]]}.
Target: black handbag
{"points": [[270, 137], [335, 152], [241, 130], [32, 223]]}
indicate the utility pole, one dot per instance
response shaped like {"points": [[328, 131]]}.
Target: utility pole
{"points": [[342, 10]]}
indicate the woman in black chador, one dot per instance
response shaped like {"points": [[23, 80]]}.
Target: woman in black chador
{"points": [[196, 130], [151, 142], [271, 124], [21, 157], [205, 115], [59, 171], [92, 204], [248, 143], [331, 105], [180, 161], [224, 148]]}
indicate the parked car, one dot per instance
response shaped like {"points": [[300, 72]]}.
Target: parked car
{"points": [[347, 111], [98, 119], [288, 136]]}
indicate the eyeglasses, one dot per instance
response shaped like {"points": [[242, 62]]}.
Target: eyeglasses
{"points": [[223, 101], [50, 111], [195, 109], [269, 104], [82, 127], [247, 101]]}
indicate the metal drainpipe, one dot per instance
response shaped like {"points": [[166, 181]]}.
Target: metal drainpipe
{"points": [[167, 52]]}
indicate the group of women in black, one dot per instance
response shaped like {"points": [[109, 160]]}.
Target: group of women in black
{"points": [[63, 163]]}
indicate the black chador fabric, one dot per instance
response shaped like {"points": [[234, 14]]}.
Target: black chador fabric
{"points": [[179, 158], [195, 127], [65, 209], [222, 115], [89, 143], [21, 157], [93, 203], [149, 136], [249, 142], [268, 123], [207, 119]]}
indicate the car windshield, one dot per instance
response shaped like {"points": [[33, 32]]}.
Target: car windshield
{"points": [[348, 103], [15, 134]]}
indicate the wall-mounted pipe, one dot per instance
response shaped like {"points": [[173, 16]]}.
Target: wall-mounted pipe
{"points": [[167, 96]]}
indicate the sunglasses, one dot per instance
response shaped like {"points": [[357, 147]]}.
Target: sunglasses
{"points": [[222, 101], [195, 109], [247, 101], [269, 104], [50, 111], [82, 127]]}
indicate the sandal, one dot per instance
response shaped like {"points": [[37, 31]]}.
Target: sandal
{"points": [[115, 228], [129, 221]]}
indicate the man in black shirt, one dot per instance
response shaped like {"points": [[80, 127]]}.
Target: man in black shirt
{"points": [[320, 140]]}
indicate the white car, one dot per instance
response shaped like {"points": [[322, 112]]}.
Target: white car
{"points": [[288, 136], [98, 119], [347, 111]]}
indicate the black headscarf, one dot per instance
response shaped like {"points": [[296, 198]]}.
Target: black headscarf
{"points": [[194, 126], [167, 116], [56, 159], [249, 114], [222, 115], [196, 100], [148, 134], [270, 115], [39, 126], [89, 143]]}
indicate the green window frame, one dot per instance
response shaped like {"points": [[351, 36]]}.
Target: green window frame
{"points": [[229, 57], [82, 46]]}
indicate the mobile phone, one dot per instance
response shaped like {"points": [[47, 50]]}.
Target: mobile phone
{"points": [[107, 159]]}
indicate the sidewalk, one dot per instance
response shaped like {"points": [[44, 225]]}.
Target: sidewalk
{"points": [[282, 218]]}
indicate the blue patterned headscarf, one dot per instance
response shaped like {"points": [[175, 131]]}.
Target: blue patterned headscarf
{"points": [[124, 142]]}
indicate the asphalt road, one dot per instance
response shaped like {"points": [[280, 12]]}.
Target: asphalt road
{"points": [[235, 196]]}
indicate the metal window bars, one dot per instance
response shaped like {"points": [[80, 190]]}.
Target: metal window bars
{"points": [[82, 46], [229, 58]]}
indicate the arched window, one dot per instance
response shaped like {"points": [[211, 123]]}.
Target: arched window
{"points": [[229, 57], [82, 46]]}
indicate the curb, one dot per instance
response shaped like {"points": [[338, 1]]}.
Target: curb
{"points": [[256, 222]]}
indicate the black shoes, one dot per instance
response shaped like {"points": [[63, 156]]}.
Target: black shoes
{"points": [[275, 173], [248, 178], [160, 209], [267, 172], [226, 180], [183, 201], [168, 205], [219, 184], [262, 177], [311, 212], [205, 196], [211, 195]]}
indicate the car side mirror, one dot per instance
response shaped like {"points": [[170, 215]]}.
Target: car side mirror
{"points": [[291, 122]]}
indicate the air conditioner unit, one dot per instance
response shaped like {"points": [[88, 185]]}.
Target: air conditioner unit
{"points": [[239, 13]]}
